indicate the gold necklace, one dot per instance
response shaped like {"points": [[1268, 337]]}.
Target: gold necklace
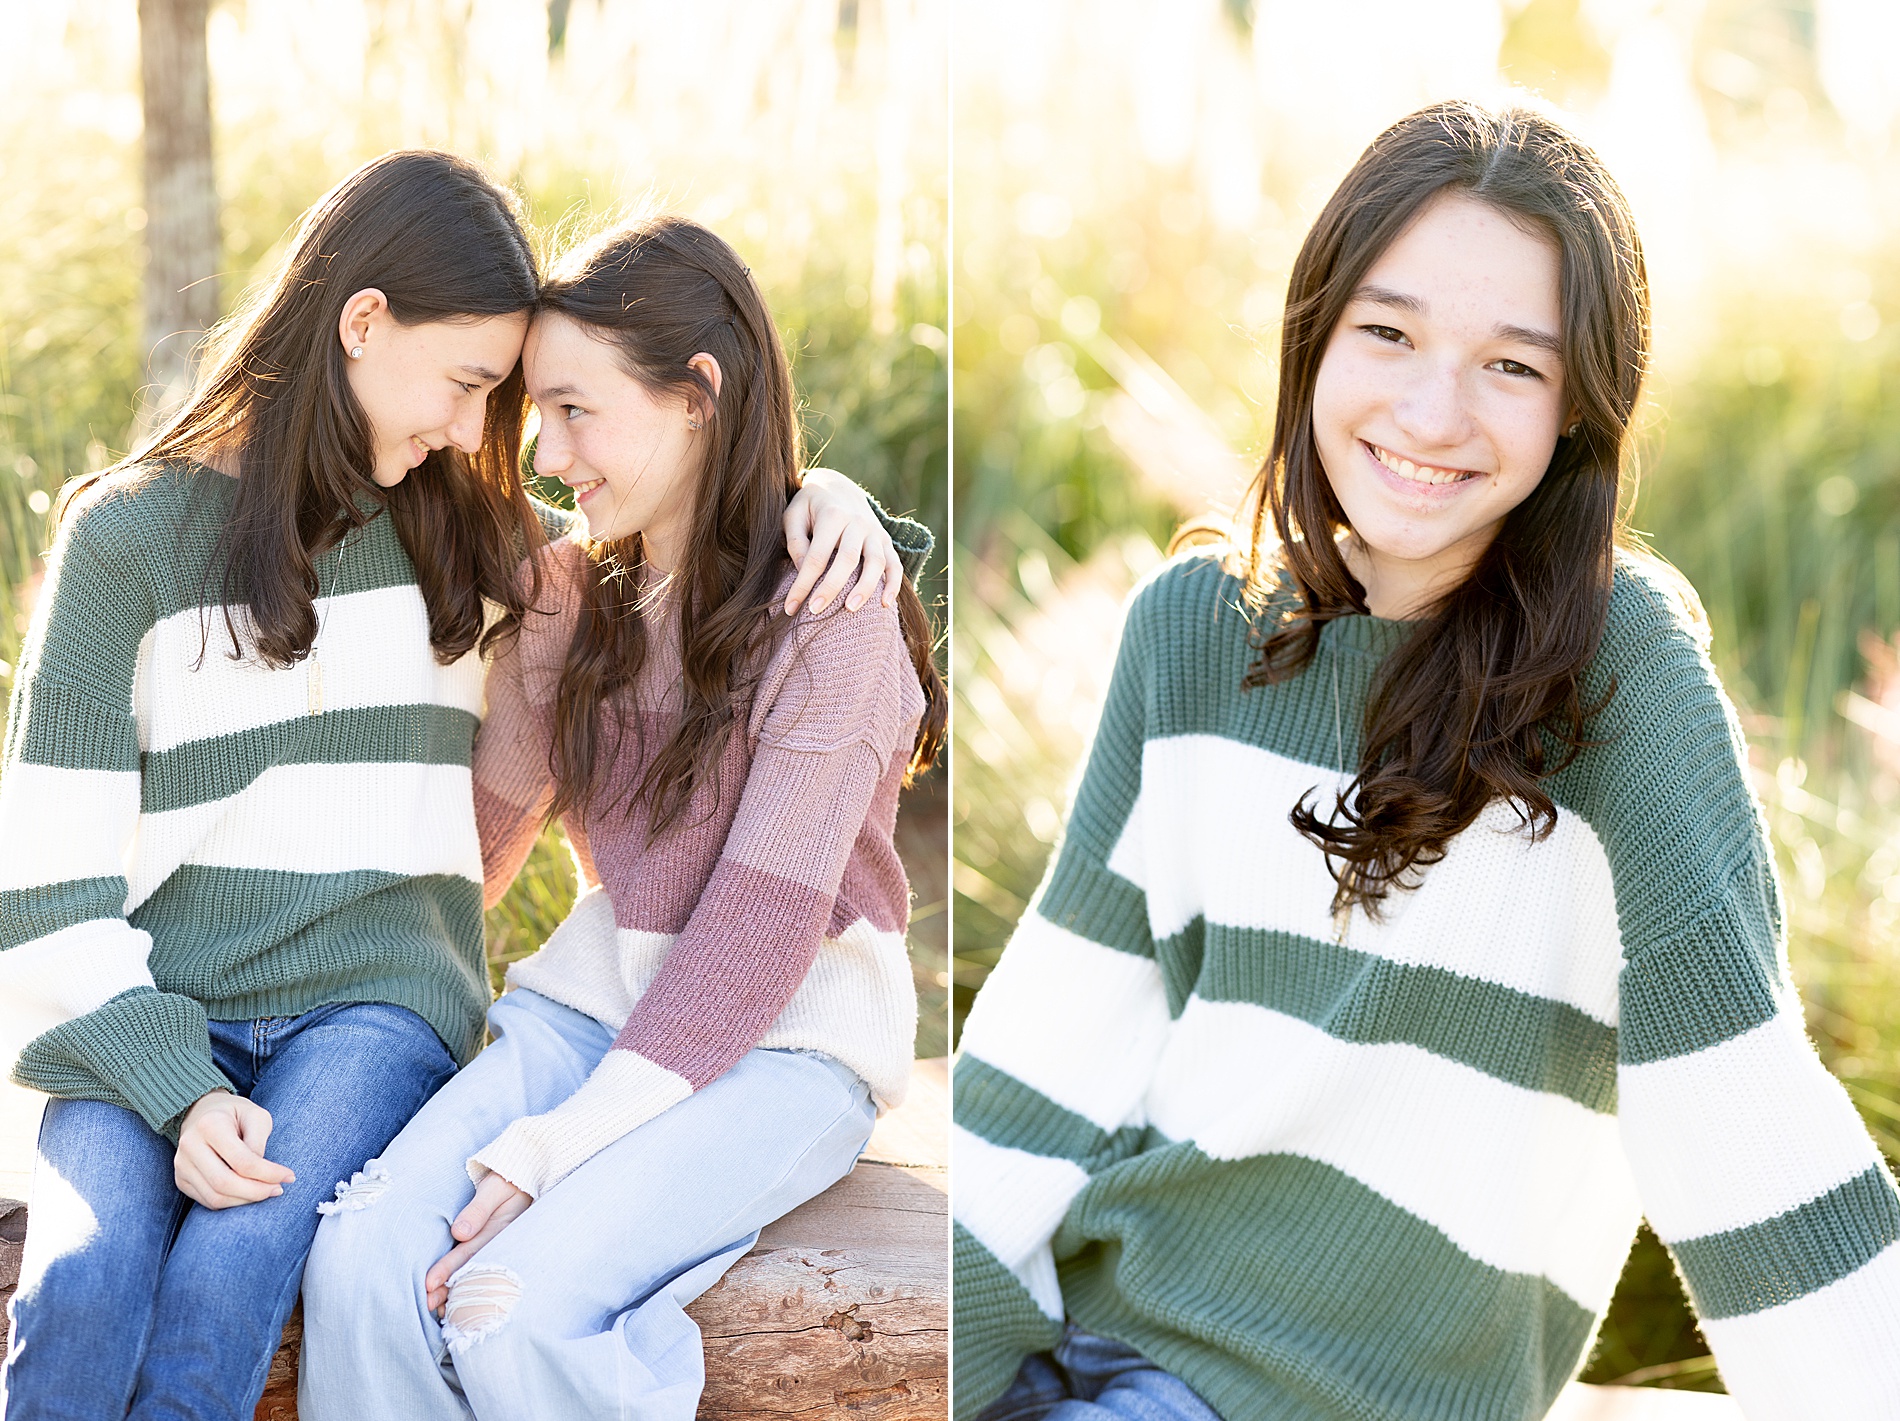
{"points": [[313, 667]]}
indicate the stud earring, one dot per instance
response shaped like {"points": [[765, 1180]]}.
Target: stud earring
{"points": [[691, 423], [1571, 433], [356, 352]]}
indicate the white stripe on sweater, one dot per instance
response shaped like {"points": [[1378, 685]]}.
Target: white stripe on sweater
{"points": [[1080, 1023], [857, 1004], [374, 650], [394, 818], [1522, 1180], [1828, 1356], [1739, 1132], [58, 824], [1011, 1201], [66, 974], [1214, 840]]}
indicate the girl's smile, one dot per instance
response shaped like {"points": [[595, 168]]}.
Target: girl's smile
{"points": [[1410, 473]]}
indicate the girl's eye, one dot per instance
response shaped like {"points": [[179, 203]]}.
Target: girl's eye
{"points": [[1517, 367], [570, 411], [467, 388], [1386, 333]]}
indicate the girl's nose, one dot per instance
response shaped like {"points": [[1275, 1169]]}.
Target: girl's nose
{"points": [[1433, 410], [551, 454], [465, 430]]}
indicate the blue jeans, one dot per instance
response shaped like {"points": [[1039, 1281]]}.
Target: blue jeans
{"points": [[581, 1300], [1090, 1378], [134, 1298]]}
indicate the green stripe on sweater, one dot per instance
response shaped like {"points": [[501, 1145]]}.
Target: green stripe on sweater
{"points": [[1090, 901], [1004, 1111], [253, 942], [1709, 981], [203, 771], [1793, 1254], [30, 913], [1355, 996], [996, 1324], [62, 726], [1280, 1288]]}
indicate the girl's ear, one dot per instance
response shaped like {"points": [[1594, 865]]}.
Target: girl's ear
{"points": [[362, 314], [707, 366]]}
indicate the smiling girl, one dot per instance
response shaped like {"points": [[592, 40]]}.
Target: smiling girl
{"points": [[1415, 932], [240, 877], [705, 1042]]}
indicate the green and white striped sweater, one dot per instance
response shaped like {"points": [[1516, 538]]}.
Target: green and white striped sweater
{"points": [[1395, 1176], [180, 836]]}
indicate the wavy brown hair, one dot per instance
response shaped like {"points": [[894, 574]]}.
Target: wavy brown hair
{"points": [[1485, 700], [658, 292], [443, 243]]}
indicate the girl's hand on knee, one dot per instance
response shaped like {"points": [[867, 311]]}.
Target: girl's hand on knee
{"points": [[829, 524], [496, 1204], [220, 1160]]}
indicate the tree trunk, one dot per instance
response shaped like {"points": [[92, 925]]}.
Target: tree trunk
{"points": [[181, 200]]}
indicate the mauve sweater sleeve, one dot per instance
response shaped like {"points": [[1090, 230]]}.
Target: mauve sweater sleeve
{"points": [[838, 721], [512, 781]]}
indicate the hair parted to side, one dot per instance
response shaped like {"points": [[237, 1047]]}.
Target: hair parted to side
{"points": [[1485, 700], [443, 243], [659, 291]]}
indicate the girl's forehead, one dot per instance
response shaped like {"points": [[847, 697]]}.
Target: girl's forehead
{"points": [[1463, 257]]}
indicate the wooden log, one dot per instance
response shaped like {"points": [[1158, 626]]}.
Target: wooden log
{"points": [[12, 1247], [843, 1308]]}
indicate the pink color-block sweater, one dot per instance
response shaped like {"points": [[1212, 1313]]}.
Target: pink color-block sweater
{"points": [[771, 913]]}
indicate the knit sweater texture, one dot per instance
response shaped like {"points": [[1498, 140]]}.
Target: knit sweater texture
{"points": [[770, 913], [1394, 1172], [185, 834]]}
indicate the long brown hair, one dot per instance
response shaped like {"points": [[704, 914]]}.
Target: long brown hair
{"points": [[443, 243], [1485, 700], [660, 291]]}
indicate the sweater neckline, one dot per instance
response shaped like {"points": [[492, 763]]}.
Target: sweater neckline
{"points": [[1365, 633]]}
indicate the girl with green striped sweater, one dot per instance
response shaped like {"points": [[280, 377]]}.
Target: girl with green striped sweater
{"points": [[1415, 932], [240, 877]]}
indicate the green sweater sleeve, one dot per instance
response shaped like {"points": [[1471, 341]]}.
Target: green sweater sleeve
{"points": [[914, 542], [82, 1018], [1752, 1163], [1059, 1049]]}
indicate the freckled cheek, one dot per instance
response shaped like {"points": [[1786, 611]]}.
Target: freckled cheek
{"points": [[1529, 444]]}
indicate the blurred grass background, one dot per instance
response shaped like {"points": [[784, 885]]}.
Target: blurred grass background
{"points": [[1132, 183], [809, 133]]}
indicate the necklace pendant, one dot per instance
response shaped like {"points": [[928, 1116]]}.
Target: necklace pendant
{"points": [[313, 681]]}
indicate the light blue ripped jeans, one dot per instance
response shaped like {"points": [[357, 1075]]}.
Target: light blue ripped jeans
{"points": [[586, 1291]]}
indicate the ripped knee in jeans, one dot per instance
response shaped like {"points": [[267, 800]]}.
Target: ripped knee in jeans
{"points": [[361, 1190], [481, 1298]]}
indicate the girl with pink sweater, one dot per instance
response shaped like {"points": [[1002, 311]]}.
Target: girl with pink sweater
{"points": [[706, 1040]]}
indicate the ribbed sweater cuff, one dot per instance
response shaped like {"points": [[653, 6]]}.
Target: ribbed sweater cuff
{"points": [[147, 1050], [912, 539], [538, 1151]]}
